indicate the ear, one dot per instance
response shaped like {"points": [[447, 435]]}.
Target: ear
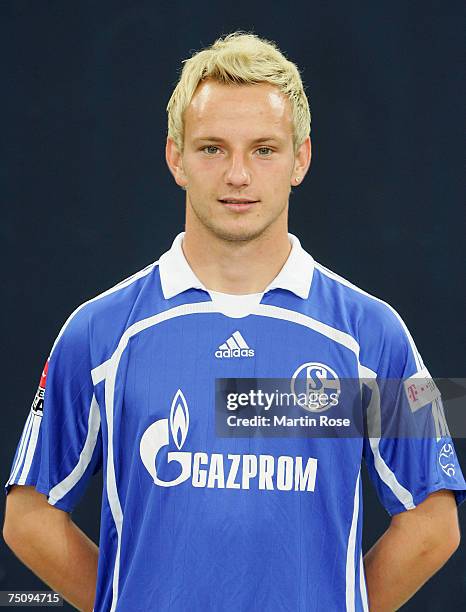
{"points": [[302, 162], [175, 162]]}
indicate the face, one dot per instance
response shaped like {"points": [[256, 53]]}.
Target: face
{"points": [[238, 163]]}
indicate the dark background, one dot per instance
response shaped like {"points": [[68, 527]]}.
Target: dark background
{"points": [[87, 198]]}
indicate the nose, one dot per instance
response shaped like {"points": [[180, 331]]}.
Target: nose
{"points": [[237, 174]]}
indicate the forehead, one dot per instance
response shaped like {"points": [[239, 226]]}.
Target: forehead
{"points": [[220, 107]]}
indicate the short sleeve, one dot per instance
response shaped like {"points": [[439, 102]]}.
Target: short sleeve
{"points": [[61, 444], [407, 467]]}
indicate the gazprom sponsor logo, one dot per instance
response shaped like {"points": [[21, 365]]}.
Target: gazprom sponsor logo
{"points": [[216, 470]]}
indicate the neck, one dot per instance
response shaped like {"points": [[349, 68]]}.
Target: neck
{"points": [[236, 267]]}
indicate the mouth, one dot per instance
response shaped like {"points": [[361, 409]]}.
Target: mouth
{"points": [[238, 204]]}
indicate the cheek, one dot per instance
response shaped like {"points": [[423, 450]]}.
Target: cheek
{"points": [[203, 165], [278, 172], [276, 183], [203, 175]]}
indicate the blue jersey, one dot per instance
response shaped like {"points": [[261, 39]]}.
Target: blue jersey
{"points": [[193, 520]]}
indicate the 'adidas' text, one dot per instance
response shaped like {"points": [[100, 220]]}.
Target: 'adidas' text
{"points": [[235, 346]]}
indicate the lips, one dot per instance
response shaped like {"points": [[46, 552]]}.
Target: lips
{"points": [[237, 201], [238, 205]]}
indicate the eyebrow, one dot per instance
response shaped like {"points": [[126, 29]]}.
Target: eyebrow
{"points": [[217, 139]]}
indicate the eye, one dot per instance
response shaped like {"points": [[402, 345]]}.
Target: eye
{"points": [[209, 147], [267, 149]]}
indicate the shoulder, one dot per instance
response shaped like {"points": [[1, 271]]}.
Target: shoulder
{"points": [[105, 315], [377, 327], [355, 304]]}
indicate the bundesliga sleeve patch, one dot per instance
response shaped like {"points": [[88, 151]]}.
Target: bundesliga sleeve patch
{"points": [[38, 402], [421, 390]]}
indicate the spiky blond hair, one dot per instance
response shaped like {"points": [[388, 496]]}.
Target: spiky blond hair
{"points": [[240, 58]]}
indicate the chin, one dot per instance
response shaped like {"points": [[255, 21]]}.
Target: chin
{"points": [[237, 234], [244, 229]]}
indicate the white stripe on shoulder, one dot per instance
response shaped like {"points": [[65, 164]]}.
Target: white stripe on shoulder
{"points": [[389, 478], [276, 312], [99, 373], [374, 427], [22, 448], [61, 489], [343, 281], [121, 285], [31, 448]]}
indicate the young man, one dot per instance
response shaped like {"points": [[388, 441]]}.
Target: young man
{"points": [[193, 520]]}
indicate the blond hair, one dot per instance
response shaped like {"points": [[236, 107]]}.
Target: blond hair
{"points": [[240, 58]]}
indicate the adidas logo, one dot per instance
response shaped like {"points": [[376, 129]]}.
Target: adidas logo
{"points": [[235, 346]]}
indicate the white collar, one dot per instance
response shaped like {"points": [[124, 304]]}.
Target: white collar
{"points": [[177, 276]]}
